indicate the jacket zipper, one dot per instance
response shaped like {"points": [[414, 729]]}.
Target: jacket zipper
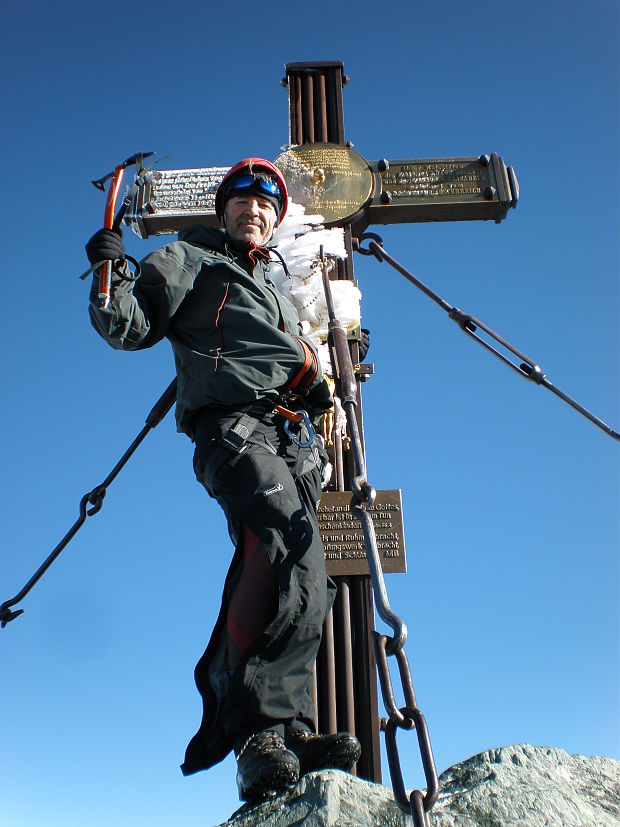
{"points": [[217, 325]]}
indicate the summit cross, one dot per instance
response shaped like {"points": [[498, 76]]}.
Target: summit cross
{"points": [[329, 178]]}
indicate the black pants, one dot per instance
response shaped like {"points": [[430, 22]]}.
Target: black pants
{"points": [[273, 487]]}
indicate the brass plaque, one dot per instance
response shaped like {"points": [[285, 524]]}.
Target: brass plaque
{"points": [[443, 189], [432, 179], [337, 183], [343, 537], [327, 179], [169, 200]]}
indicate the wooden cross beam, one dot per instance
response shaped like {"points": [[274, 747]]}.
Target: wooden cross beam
{"points": [[329, 178]]}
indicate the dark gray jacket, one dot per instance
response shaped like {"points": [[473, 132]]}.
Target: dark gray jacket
{"points": [[235, 337]]}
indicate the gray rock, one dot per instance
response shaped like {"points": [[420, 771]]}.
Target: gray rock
{"points": [[518, 786], [529, 787], [329, 798]]}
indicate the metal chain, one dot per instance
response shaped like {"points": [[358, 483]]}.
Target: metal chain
{"points": [[527, 368], [408, 717], [95, 498]]}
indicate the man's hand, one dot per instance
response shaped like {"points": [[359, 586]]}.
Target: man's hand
{"points": [[318, 401], [105, 245]]}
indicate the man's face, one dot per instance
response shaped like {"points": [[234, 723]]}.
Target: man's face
{"points": [[249, 218]]}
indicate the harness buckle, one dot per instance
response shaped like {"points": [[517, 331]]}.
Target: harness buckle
{"points": [[236, 436]]}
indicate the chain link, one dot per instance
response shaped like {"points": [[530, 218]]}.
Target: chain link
{"points": [[408, 717]]}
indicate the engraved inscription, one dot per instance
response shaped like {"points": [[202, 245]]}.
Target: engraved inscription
{"points": [[328, 179], [181, 191], [441, 179], [343, 537], [338, 184]]}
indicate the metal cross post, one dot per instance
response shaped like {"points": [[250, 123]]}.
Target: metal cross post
{"points": [[346, 683], [329, 178], [350, 192]]}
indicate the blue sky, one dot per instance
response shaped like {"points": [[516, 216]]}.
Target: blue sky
{"points": [[511, 498]]}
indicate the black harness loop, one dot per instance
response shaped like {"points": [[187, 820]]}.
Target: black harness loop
{"points": [[235, 439]]}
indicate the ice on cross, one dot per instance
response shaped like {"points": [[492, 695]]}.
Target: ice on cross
{"points": [[299, 239]]}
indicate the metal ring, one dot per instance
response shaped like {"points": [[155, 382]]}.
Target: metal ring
{"points": [[385, 682], [119, 263], [418, 813], [426, 753], [366, 251], [95, 497], [363, 490]]}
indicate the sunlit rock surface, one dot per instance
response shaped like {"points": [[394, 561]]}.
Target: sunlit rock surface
{"points": [[519, 785], [529, 787]]}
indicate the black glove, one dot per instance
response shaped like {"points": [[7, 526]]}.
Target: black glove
{"points": [[364, 343], [105, 245], [318, 400]]}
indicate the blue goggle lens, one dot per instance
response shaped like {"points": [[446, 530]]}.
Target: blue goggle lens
{"points": [[245, 180]]}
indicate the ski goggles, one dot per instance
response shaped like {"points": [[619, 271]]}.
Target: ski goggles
{"points": [[245, 180]]}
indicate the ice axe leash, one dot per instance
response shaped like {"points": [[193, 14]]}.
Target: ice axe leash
{"points": [[525, 367], [93, 498], [408, 717], [112, 221]]}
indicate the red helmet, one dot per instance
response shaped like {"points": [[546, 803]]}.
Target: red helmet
{"points": [[254, 167]]}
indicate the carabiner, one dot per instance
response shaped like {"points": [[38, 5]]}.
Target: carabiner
{"points": [[306, 420]]}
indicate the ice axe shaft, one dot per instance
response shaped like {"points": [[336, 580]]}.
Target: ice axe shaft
{"points": [[111, 222], [105, 273]]}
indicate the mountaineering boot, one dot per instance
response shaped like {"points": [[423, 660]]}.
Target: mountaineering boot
{"points": [[265, 767], [320, 752]]}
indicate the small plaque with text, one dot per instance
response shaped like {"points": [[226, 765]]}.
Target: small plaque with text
{"points": [[343, 537]]}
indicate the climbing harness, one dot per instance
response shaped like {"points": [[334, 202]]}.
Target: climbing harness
{"points": [[94, 498], [408, 717], [236, 437], [527, 367]]}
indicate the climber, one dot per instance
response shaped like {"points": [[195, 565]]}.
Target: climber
{"points": [[239, 351]]}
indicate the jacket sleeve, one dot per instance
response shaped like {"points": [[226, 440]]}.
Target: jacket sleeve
{"points": [[308, 343], [139, 312]]}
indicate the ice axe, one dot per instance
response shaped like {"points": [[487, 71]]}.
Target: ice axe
{"points": [[111, 221]]}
